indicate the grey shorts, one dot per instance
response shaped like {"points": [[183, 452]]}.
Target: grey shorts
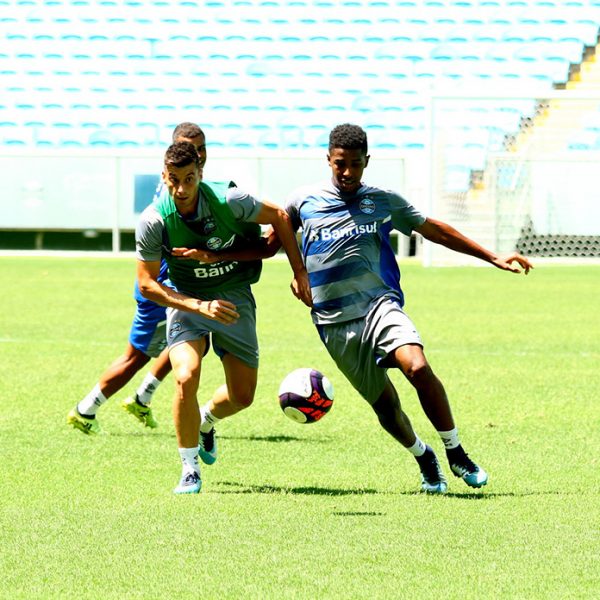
{"points": [[238, 339], [359, 345]]}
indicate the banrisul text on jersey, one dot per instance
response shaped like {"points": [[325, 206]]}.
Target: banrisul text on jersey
{"points": [[346, 246]]}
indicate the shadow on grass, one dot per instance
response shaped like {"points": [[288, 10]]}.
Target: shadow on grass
{"points": [[350, 513], [134, 434], [239, 488], [272, 438], [483, 495], [230, 487]]}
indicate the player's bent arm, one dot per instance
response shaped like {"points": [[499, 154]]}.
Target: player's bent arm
{"points": [[441, 233], [264, 247], [147, 276], [277, 217]]}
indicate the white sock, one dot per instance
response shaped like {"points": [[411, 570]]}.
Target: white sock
{"points": [[208, 419], [450, 438], [92, 402], [147, 388], [418, 448], [189, 460]]}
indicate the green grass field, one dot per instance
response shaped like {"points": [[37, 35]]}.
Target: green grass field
{"points": [[330, 510]]}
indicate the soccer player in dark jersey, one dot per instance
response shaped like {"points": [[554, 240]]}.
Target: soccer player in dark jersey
{"points": [[211, 303], [357, 298], [147, 339]]}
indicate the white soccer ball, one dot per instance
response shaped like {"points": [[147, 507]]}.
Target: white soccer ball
{"points": [[305, 395]]}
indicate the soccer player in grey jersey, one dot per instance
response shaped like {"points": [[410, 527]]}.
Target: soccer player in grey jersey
{"points": [[357, 298], [211, 303]]}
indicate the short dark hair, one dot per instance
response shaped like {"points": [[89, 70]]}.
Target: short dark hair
{"points": [[187, 130], [348, 137], [181, 154]]}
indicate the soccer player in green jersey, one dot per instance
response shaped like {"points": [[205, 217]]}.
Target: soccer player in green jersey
{"points": [[211, 303]]}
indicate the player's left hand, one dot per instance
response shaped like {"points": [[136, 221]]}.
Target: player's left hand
{"points": [[506, 263], [301, 287], [204, 256]]}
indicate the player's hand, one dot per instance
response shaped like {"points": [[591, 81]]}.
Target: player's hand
{"points": [[222, 311], [204, 256], [301, 287], [506, 263]]}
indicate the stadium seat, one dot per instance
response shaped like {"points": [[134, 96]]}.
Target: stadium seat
{"points": [[153, 61]]}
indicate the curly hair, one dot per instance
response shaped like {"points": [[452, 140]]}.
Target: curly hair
{"points": [[348, 137], [181, 154], [187, 130]]}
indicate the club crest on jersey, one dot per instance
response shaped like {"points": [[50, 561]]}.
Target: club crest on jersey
{"points": [[208, 226], [367, 206], [214, 243]]}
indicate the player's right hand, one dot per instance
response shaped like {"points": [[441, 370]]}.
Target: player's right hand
{"points": [[222, 311], [300, 287]]}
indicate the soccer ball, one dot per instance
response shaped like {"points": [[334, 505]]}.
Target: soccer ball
{"points": [[305, 395]]}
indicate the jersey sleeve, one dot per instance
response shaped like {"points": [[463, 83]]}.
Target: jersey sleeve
{"points": [[243, 206], [292, 207], [149, 236], [405, 217]]}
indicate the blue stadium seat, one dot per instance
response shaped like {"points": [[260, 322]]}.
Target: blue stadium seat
{"points": [[154, 61]]}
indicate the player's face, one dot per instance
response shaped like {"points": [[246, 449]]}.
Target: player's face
{"points": [[200, 143], [182, 183], [347, 167]]}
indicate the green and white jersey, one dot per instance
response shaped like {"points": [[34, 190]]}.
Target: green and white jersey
{"points": [[225, 220]]}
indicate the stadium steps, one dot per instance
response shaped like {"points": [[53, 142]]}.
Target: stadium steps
{"points": [[545, 132]]}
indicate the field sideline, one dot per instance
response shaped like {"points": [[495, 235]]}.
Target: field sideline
{"points": [[330, 510]]}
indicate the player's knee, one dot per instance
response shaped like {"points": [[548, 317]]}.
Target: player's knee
{"points": [[243, 399], [418, 371], [186, 377]]}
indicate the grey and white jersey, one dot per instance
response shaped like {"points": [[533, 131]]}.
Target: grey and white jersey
{"points": [[346, 246]]}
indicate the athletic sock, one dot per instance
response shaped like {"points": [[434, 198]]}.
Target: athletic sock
{"points": [[147, 388], [92, 402], [189, 460], [418, 448], [450, 438], [208, 419]]}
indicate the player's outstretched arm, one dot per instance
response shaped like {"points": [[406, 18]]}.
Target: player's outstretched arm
{"points": [[147, 276], [439, 232]]}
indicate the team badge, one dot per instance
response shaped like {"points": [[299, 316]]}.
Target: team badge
{"points": [[367, 206], [208, 226], [175, 329], [214, 243]]}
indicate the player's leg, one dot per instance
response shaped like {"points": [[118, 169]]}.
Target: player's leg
{"points": [[148, 334], [352, 346], [118, 374], [411, 360], [186, 360], [392, 418], [395, 421], [237, 346], [229, 399]]}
